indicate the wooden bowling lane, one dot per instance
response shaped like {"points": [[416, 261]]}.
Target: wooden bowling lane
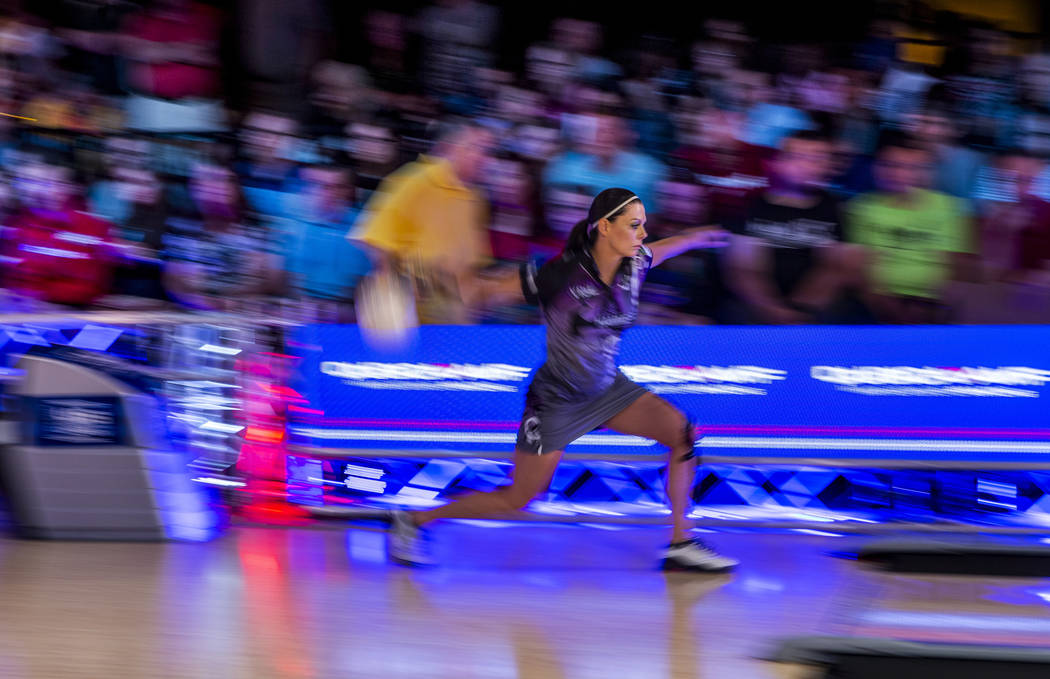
{"points": [[956, 609], [514, 600]]}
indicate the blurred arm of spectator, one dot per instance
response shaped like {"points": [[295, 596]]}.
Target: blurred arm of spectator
{"points": [[196, 54], [91, 41], [192, 283], [786, 259], [751, 277], [1034, 255], [161, 52], [146, 51], [687, 289]]}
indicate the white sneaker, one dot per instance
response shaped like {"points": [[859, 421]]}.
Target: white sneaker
{"points": [[407, 543], [694, 555]]}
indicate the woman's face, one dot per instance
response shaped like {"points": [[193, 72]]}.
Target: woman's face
{"points": [[625, 233]]}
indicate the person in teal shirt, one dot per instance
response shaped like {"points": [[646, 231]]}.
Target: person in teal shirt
{"points": [[322, 265], [602, 159]]}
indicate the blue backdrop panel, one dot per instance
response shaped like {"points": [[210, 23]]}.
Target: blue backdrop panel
{"points": [[957, 393]]}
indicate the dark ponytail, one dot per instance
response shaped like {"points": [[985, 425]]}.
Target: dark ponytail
{"points": [[609, 204], [579, 239]]}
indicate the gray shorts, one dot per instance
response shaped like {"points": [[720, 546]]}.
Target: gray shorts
{"points": [[547, 427]]}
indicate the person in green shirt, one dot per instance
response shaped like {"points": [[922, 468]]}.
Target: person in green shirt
{"points": [[918, 240]]}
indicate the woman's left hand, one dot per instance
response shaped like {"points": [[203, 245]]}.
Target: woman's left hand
{"points": [[709, 237]]}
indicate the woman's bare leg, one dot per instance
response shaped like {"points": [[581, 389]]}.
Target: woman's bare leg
{"points": [[532, 476], [654, 418]]}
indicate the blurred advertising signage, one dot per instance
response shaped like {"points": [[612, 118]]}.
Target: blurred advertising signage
{"points": [[696, 379], [428, 376], [77, 421], [1013, 381], [464, 386], [704, 379]]}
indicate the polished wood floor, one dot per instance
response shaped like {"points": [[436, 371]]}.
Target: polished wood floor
{"points": [[508, 601]]}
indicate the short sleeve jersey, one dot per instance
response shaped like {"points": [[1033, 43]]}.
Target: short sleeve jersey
{"points": [[585, 320]]}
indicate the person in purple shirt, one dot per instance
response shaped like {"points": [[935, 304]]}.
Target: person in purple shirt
{"points": [[588, 296]]}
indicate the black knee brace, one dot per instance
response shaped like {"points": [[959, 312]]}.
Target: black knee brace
{"points": [[689, 434]]}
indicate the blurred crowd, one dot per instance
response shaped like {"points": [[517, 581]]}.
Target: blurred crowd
{"points": [[216, 156]]}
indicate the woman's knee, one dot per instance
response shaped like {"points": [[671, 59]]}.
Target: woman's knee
{"points": [[681, 436], [518, 496]]}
